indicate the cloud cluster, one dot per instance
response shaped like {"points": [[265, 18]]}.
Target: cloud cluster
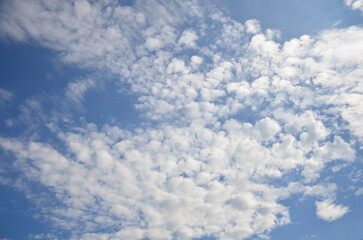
{"points": [[236, 121], [187, 182], [354, 4]]}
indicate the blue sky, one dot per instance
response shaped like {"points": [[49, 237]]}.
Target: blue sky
{"points": [[181, 119]]}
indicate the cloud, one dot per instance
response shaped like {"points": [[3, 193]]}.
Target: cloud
{"points": [[329, 211], [42, 236], [252, 26], [75, 91], [334, 52], [196, 60], [230, 128], [359, 192], [101, 35], [5, 95], [188, 39], [155, 172], [354, 4]]}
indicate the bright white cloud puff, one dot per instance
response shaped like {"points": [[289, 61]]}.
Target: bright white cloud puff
{"points": [[198, 169], [329, 211]]}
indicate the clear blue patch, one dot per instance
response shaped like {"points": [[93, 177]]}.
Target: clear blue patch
{"points": [[17, 219]]}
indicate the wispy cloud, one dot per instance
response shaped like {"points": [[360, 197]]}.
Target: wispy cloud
{"points": [[76, 90], [5, 96]]}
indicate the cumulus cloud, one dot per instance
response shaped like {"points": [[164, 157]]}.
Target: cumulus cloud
{"points": [[196, 60], [188, 39], [329, 211], [252, 26], [200, 155], [334, 52]]}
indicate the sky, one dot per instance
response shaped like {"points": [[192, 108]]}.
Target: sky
{"points": [[181, 119]]}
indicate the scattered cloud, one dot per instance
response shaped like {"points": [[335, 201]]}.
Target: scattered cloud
{"points": [[41, 236], [199, 154]]}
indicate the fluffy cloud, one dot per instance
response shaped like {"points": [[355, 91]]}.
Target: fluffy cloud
{"points": [[188, 39], [102, 35], [355, 4], [231, 127], [329, 211]]}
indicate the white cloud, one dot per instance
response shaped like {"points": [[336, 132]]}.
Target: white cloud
{"points": [[339, 149], [252, 26], [5, 95], [188, 38], [355, 4], [153, 44], [196, 60], [328, 211], [144, 174], [42, 236], [359, 191], [75, 91], [200, 154], [101, 35], [333, 49], [177, 66]]}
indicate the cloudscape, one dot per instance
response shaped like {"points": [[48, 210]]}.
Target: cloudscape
{"points": [[181, 119]]}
